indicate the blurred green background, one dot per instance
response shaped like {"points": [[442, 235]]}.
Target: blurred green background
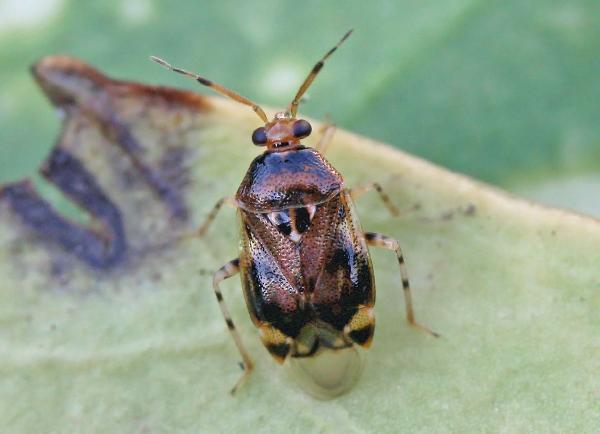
{"points": [[505, 91]]}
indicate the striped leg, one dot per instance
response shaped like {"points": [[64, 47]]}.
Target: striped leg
{"points": [[231, 269], [379, 240], [356, 192], [203, 228], [327, 132]]}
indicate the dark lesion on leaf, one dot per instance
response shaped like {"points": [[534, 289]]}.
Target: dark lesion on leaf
{"points": [[119, 132], [101, 249], [91, 100]]}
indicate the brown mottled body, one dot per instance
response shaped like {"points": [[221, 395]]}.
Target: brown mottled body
{"points": [[304, 260], [305, 267]]}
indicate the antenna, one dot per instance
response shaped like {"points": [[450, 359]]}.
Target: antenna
{"points": [[214, 86], [313, 74]]}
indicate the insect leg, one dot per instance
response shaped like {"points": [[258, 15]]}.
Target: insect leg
{"points": [[379, 240], [201, 231], [356, 192], [226, 271], [327, 132]]}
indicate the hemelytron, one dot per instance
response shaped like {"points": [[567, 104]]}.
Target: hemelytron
{"points": [[304, 263]]}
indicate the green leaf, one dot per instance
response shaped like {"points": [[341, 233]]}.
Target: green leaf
{"points": [[141, 346]]}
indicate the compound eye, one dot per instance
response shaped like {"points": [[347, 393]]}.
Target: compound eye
{"points": [[301, 129], [259, 136]]}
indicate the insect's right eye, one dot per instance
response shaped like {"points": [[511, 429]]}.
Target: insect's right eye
{"points": [[301, 129], [259, 136]]}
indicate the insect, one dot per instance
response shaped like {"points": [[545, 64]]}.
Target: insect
{"points": [[304, 261]]}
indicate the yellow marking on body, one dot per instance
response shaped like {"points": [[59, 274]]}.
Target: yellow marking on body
{"points": [[363, 320], [275, 341]]}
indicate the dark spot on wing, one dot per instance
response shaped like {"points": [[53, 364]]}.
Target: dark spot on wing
{"points": [[289, 319], [302, 220], [279, 350], [338, 261], [282, 221], [362, 336]]}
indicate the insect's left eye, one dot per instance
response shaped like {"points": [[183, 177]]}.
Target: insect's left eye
{"points": [[259, 136], [301, 129]]}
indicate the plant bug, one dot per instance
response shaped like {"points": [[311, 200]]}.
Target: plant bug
{"points": [[304, 262]]}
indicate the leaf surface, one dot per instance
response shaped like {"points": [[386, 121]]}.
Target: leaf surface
{"points": [[137, 343]]}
